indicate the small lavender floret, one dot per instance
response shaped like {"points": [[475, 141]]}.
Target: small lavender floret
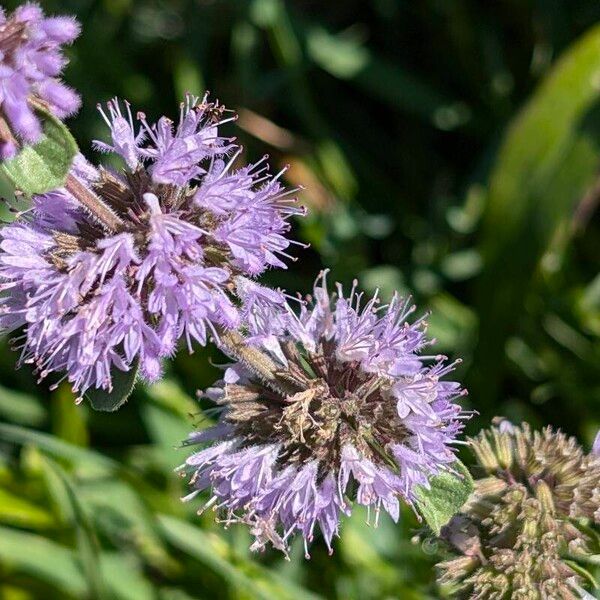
{"points": [[118, 266], [31, 61], [336, 405]]}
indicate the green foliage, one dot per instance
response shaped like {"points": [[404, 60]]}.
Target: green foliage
{"points": [[123, 384], [449, 150], [44, 166], [445, 496], [547, 162]]}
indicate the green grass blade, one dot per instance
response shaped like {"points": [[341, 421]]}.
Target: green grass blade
{"points": [[243, 574], [87, 543], [547, 161], [42, 559]]}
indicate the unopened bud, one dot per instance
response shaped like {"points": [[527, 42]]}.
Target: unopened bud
{"points": [[456, 569], [544, 496], [504, 448], [485, 453]]}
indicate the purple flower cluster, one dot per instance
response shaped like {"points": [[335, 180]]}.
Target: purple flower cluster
{"points": [[344, 407], [31, 61], [118, 266]]}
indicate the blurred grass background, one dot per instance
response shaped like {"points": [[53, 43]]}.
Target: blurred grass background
{"points": [[451, 150]]}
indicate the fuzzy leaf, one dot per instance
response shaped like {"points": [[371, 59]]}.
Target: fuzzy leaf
{"points": [[445, 497], [123, 384], [44, 166]]}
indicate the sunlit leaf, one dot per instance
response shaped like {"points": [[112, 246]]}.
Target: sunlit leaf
{"points": [[18, 511], [445, 497], [547, 161], [120, 513], [44, 166], [214, 553], [54, 446], [125, 577], [87, 543]]}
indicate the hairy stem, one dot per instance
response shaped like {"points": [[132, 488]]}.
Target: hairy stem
{"points": [[6, 134], [94, 204], [234, 344], [259, 363]]}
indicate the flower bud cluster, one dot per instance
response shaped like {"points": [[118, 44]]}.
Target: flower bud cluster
{"points": [[525, 532]]}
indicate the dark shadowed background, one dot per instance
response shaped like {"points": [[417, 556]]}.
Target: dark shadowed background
{"points": [[450, 150]]}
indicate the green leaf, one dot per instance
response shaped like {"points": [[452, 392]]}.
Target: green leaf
{"points": [[445, 497], [546, 163], [18, 511], [87, 542], [45, 561], [125, 578], [7, 190], [42, 560], [21, 408], [44, 166], [120, 512], [56, 447], [69, 421], [167, 429], [88, 460], [452, 324], [123, 384], [584, 573], [213, 552]]}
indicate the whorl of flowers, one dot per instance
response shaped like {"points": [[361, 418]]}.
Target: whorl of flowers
{"points": [[334, 406], [528, 521], [31, 61], [117, 266]]}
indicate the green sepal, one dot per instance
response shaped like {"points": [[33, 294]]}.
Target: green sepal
{"points": [[44, 166], [445, 497]]}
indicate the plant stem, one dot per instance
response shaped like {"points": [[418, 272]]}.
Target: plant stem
{"points": [[5, 132], [233, 343], [94, 204], [258, 362]]}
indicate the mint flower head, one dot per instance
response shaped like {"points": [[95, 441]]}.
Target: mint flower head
{"points": [[31, 61], [116, 267], [336, 405], [528, 530]]}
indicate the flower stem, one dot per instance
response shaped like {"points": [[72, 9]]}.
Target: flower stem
{"points": [[94, 204], [5, 132], [258, 362], [234, 344]]}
